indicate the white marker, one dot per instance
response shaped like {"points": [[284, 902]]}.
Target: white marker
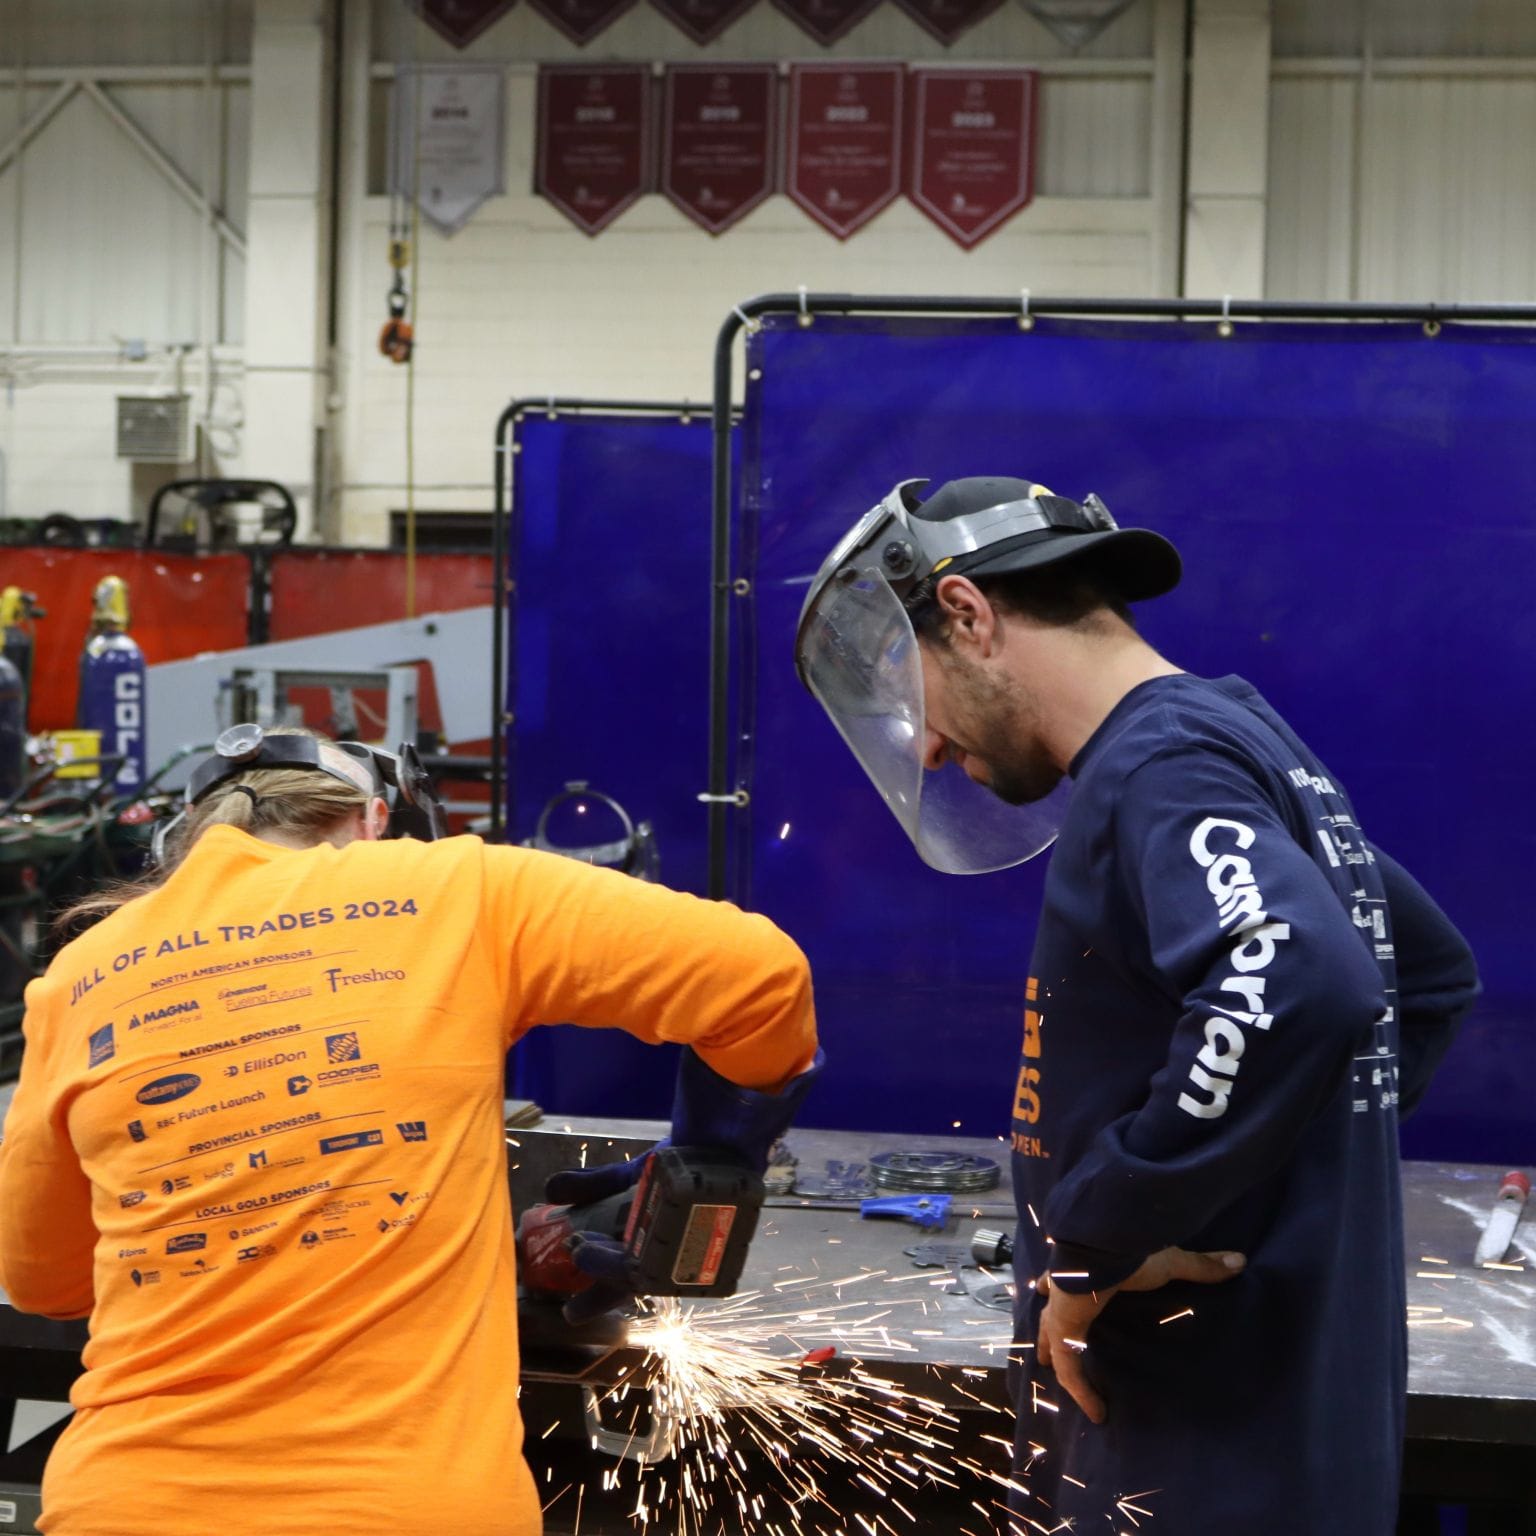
{"points": [[1496, 1236]]}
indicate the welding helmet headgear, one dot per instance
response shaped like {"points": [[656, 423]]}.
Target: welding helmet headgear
{"points": [[856, 649], [397, 778]]}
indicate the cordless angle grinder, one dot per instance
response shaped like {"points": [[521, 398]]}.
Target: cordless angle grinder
{"points": [[685, 1228]]}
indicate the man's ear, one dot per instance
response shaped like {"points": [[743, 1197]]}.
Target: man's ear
{"points": [[968, 616]]}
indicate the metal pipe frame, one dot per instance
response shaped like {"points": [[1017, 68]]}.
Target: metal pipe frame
{"points": [[505, 449], [745, 317]]}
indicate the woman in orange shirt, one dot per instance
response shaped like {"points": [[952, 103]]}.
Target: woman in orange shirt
{"points": [[258, 1142]]}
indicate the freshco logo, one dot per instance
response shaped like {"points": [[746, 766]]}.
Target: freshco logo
{"points": [[177, 1086]]}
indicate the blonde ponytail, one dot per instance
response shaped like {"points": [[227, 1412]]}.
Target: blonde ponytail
{"points": [[297, 805]]}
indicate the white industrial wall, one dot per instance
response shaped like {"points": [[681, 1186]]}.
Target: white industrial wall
{"points": [[521, 302], [1390, 156], [104, 255]]}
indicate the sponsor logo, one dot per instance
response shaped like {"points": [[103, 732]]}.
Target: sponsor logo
{"points": [[259, 1251], [298, 1085], [136, 1130], [142, 1277], [309, 1239], [103, 1046], [226, 1172], [257, 1159], [198, 1268], [187, 1242], [361, 1072], [171, 1185], [264, 1063], [398, 1222], [132, 1253], [1240, 909], [163, 1089], [134, 1022], [339, 978], [351, 1142], [132, 1198], [340, 1048], [170, 1011], [237, 1233], [412, 1130], [399, 1196]]}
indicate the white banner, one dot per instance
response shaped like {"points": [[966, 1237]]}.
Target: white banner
{"points": [[447, 137]]}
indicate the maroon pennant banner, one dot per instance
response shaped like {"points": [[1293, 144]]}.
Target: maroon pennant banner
{"points": [[973, 148], [845, 141], [581, 20], [947, 19], [719, 140], [594, 140], [703, 20], [827, 20], [460, 21]]}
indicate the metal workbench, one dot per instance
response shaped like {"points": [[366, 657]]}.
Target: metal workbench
{"points": [[1472, 1340]]}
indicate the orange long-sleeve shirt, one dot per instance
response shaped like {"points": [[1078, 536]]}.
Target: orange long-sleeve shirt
{"points": [[257, 1140]]}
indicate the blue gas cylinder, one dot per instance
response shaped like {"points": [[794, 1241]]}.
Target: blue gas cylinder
{"points": [[13, 729], [112, 685]]}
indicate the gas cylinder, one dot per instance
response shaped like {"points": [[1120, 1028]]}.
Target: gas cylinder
{"points": [[112, 684], [18, 610], [13, 730]]}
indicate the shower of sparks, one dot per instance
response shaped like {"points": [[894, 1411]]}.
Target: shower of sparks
{"points": [[734, 1378], [1173, 1317]]}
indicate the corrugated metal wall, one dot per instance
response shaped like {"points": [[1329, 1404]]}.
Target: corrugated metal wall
{"points": [[1403, 151], [108, 247]]}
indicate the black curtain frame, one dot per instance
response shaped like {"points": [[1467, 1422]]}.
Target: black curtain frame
{"points": [[1022, 306], [550, 406]]}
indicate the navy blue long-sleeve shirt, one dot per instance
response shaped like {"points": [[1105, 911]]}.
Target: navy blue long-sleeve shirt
{"points": [[1232, 995]]}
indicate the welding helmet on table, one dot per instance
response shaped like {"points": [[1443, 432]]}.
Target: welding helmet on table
{"points": [[857, 652], [397, 778]]}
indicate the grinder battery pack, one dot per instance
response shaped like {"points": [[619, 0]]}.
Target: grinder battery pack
{"points": [[686, 1227]]}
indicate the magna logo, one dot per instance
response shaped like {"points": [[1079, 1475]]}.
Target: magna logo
{"points": [[188, 1242], [170, 1011], [163, 1089]]}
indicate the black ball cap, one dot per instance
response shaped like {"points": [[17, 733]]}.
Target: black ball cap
{"points": [[1136, 563]]}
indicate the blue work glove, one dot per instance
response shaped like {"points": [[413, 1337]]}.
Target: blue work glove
{"points": [[707, 1111]]}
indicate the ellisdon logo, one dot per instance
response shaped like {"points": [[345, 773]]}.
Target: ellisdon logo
{"points": [[163, 1089], [188, 1242]]}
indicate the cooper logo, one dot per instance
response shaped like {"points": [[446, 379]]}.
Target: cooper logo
{"points": [[163, 1089], [188, 1242]]}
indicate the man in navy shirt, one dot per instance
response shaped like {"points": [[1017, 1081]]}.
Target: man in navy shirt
{"points": [[1234, 996]]}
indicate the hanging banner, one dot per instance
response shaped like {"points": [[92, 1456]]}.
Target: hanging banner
{"points": [[447, 134], [461, 21], [1076, 22], [973, 148], [703, 20], [580, 20], [947, 19], [594, 154], [845, 138], [719, 140], [827, 20]]}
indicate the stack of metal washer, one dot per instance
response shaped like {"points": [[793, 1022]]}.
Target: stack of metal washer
{"points": [[958, 1173]]}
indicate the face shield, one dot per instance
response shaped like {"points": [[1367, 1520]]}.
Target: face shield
{"points": [[857, 652]]}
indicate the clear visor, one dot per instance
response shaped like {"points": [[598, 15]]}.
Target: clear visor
{"points": [[859, 655]]}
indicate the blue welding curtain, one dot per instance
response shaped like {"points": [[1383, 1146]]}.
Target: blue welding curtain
{"points": [[1353, 503], [608, 681]]}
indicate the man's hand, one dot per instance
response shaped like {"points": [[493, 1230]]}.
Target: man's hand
{"points": [[1065, 1322]]}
